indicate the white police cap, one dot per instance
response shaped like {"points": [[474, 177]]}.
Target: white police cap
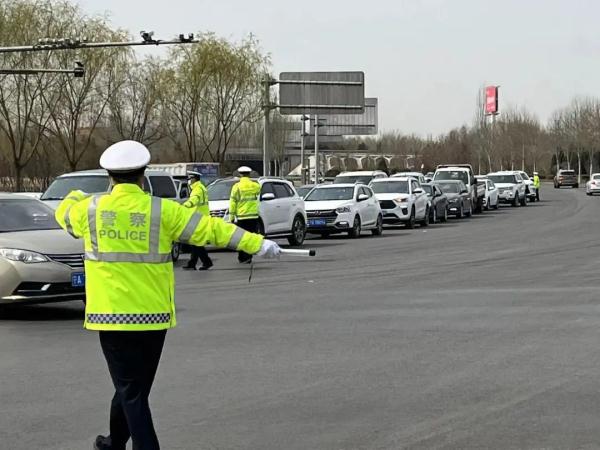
{"points": [[244, 169], [194, 174], [125, 156]]}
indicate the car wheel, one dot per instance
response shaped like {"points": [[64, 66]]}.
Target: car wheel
{"points": [[523, 201], [470, 213], [175, 252], [378, 230], [411, 221], [354, 233], [445, 216], [515, 201], [425, 221], [298, 231]]}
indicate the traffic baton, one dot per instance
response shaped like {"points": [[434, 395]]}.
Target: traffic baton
{"points": [[291, 252]]}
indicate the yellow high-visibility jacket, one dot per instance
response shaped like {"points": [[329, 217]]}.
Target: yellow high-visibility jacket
{"points": [[243, 202], [128, 267], [198, 199], [536, 181]]}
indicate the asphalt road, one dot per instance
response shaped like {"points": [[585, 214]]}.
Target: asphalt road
{"points": [[471, 335]]}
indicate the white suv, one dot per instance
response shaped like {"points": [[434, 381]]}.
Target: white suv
{"points": [[336, 208], [402, 200], [361, 176], [281, 210], [511, 188], [530, 188]]}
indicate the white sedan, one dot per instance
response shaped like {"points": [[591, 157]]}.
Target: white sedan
{"points": [[593, 186], [337, 208], [402, 200]]}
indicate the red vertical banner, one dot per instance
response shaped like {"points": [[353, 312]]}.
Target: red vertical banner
{"points": [[491, 100]]}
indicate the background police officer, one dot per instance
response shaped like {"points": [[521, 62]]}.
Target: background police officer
{"points": [[243, 206], [199, 201], [130, 283], [537, 184]]}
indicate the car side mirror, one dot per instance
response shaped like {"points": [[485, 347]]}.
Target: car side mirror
{"points": [[363, 197], [464, 191], [418, 191], [267, 196]]}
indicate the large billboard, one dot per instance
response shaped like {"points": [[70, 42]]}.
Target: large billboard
{"points": [[350, 124], [321, 93], [491, 100]]}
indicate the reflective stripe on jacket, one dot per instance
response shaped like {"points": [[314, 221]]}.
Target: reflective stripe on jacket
{"points": [[243, 202], [128, 239], [198, 199]]}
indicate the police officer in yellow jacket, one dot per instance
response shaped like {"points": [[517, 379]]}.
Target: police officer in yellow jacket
{"points": [[243, 206], [537, 185], [128, 237], [199, 201]]}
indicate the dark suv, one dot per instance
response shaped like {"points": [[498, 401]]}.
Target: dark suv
{"points": [[565, 178]]}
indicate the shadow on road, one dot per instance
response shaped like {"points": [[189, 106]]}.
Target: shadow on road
{"points": [[41, 313]]}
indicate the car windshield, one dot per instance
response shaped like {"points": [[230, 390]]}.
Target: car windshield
{"points": [[330, 193], [449, 188], [510, 179], [302, 191], [567, 172], [390, 187], [25, 215], [61, 187], [452, 175], [524, 175], [220, 191], [428, 189], [349, 179]]}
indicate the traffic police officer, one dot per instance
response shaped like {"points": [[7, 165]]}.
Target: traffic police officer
{"points": [[199, 201], [537, 185], [130, 283], [243, 206]]}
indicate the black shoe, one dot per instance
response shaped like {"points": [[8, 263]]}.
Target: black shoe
{"points": [[105, 443], [246, 261], [102, 443], [206, 266], [188, 267]]}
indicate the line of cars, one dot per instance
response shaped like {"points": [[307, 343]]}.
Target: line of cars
{"points": [[42, 263]]}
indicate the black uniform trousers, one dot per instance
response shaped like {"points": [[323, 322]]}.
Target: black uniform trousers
{"points": [[250, 225], [199, 252], [132, 358]]}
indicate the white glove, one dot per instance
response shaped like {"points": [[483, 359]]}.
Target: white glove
{"points": [[269, 249]]}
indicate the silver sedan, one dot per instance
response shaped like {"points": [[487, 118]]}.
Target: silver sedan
{"points": [[39, 262]]}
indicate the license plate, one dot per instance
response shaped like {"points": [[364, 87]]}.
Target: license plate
{"points": [[317, 222], [78, 280]]}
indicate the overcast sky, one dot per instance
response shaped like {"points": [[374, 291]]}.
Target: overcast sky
{"points": [[423, 59]]}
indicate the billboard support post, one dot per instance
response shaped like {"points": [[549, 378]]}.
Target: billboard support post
{"points": [[316, 149], [267, 82]]}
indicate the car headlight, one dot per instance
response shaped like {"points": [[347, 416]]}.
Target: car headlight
{"points": [[24, 256], [343, 209], [401, 200]]}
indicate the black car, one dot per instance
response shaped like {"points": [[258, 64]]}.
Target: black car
{"points": [[438, 203], [459, 199]]}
